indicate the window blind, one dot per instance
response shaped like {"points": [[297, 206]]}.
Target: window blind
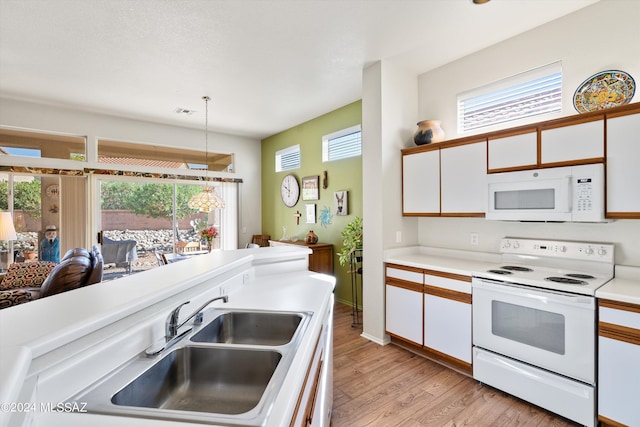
{"points": [[342, 144], [288, 158], [528, 94]]}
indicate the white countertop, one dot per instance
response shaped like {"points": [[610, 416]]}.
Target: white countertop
{"points": [[445, 260], [624, 287], [50, 328]]}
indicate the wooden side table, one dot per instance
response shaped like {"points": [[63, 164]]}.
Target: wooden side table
{"points": [[320, 261]]}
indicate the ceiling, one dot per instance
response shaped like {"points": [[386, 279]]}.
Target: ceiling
{"points": [[267, 65]]}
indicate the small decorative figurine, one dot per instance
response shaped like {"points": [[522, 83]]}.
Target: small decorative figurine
{"points": [[50, 245]]}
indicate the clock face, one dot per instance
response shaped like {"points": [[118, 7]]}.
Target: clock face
{"points": [[53, 191], [290, 190]]}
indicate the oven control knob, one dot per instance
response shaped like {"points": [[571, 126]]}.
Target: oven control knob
{"points": [[507, 244], [589, 251], [602, 251], [563, 249], [516, 245]]}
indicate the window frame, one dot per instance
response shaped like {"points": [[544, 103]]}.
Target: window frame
{"points": [[551, 72], [280, 154], [326, 143]]}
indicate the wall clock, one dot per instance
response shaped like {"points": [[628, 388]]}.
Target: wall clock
{"points": [[289, 190], [53, 191]]}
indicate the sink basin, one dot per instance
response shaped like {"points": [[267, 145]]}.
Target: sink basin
{"points": [[226, 372], [201, 379], [254, 327]]}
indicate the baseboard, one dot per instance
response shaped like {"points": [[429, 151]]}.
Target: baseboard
{"points": [[376, 340]]}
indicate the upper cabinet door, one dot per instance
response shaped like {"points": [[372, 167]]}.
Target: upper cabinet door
{"points": [[623, 166], [421, 183], [463, 179], [514, 152], [569, 144]]}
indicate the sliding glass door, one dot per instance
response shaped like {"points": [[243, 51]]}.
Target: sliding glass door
{"points": [[142, 220]]}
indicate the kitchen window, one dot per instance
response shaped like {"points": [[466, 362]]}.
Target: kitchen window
{"points": [[342, 144], [528, 94], [288, 158]]}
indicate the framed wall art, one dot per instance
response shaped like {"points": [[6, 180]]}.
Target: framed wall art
{"points": [[310, 187], [311, 214], [340, 202]]}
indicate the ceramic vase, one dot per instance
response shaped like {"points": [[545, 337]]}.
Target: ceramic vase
{"points": [[311, 237], [428, 131]]}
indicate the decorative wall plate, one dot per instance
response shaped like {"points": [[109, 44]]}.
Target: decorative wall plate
{"points": [[603, 90]]}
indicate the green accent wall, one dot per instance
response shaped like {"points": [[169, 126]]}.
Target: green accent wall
{"points": [[342, 175]]}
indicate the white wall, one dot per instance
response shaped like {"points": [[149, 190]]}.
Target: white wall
{"points": [[247, 151], [587, 42], [389, 110]]}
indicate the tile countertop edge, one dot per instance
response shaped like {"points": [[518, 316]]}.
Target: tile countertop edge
{"points": [[625, 287], [446, 260]]}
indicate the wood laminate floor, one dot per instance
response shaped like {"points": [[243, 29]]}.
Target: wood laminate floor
{"points": [[388, 386]]}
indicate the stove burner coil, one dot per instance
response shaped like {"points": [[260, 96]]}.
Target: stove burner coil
{"points": [[499, 272], [515, 268], [566, 280], [580, 276]]}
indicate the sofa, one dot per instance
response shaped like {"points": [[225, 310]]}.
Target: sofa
{"points": [[26, 282]]}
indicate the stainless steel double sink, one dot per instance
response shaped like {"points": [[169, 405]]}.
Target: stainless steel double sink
{"points": [[227, 371]]}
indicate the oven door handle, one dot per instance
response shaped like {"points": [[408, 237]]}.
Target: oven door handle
{"points": [[546, 296]]}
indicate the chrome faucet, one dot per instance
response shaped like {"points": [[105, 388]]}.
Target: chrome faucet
{"points": [[172, 326]]}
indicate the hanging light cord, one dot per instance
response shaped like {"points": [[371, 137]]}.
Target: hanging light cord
{"points": [[206, 137]]}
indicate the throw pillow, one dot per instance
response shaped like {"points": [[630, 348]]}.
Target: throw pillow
{"points": [[26, 274]]}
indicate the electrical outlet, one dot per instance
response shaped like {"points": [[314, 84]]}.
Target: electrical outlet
{"points": [[475, 239], [398, 236]]}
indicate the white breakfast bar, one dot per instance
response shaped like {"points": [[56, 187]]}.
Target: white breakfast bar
{"points": [[53, 348]]}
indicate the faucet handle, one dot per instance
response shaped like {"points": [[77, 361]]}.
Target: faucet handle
{"points": [[172, 322]]}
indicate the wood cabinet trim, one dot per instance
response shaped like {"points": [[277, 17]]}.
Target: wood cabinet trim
{"points": [[404, 267], [463, 214], [420, 149], [622, 215], [619, 305], [577, 162], [533, 127], [447, 294], [576, 119], [304, 384], [624, 110], [619, 333], [607, 422], [506, 133], [460, 277], [404, 284]]}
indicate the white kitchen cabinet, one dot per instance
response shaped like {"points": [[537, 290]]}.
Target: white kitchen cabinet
{"points": [[618, 363], [421, 183], [315, 400], [447, 316], [571, 143], [623, 171], [463, 171], [513, 151], [403, 314]]}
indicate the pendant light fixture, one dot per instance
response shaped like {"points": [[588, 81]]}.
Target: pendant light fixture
{"points": [[208, 199]]}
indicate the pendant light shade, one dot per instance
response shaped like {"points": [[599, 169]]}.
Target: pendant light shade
{"points": [[208, 199]]}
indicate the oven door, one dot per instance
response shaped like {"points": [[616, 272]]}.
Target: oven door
{"points": [[548, 329]]}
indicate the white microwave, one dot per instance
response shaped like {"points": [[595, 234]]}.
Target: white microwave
{"points": [[572, 193]]}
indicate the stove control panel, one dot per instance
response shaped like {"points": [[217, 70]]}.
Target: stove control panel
{"points": [[561, 249]]}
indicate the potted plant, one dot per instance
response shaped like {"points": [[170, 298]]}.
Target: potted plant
{"points": [[29, 251], [351, 240]]}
